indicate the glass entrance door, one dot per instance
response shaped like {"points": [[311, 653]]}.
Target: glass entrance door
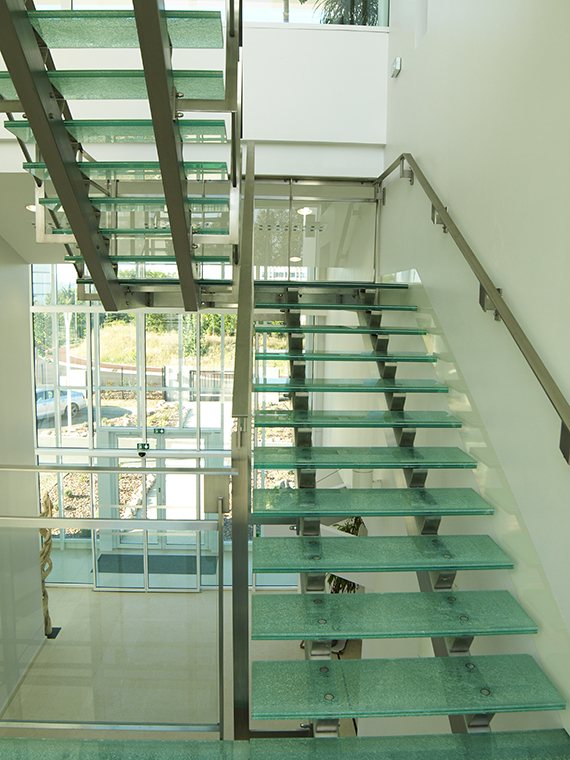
{"points": [[144, 558]]}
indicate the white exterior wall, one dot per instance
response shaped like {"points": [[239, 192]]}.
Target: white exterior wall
{"points": [[21, 616]]}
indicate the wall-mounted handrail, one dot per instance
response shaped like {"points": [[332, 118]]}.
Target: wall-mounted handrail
{"points": [[549, 386]]}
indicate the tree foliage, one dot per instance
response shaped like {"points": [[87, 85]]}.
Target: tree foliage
{"points": [[348, 12]]}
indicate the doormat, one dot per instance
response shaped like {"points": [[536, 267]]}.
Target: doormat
{"points": [[167, 564]]}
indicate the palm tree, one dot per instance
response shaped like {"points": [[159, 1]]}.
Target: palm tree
{"points": [[353, 12]]}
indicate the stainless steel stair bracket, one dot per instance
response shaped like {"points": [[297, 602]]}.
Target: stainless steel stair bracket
{"points": [[486, 304], [406, 173], [436, 218]]}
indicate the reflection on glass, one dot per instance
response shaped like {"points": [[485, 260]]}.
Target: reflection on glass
{"points": [[317, 240], [174, 560], [119, 560]]}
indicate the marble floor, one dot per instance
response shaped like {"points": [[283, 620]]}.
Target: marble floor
{"points": [[135, 658], [124, 658]]}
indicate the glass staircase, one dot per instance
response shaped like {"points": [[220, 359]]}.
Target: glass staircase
{"points": [[321, 689], [128, 198]]}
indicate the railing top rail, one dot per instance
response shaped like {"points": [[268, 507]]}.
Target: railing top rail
{"points": [[553, 392], [243, 367]]}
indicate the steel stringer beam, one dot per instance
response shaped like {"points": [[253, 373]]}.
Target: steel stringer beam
{"points": [[25, 64], [157, 63]]}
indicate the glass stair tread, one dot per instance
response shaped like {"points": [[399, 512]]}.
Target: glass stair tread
{"points": [[143, 232], [158, 258], [386, 502], [379, 457], [333, 306], [340, 329], [117, 29], [400, 687], [115, 84], [348, 419], [143, 202], [345, 356], [128, 131], [135, 170], [288, 385], [550, 744], [164, 281], [387, 616], [21, 748], [330, 285], [381, 554]]}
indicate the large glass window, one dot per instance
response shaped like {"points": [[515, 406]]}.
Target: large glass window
{"points": [[108, 388]]}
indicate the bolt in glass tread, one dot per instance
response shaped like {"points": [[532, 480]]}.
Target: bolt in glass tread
{"points": [[114, 84], [128, 130], [345, 356], [550, 744], [301, 554], [333, 306], [120, 749], [311, 385], [339, 329], [400, 687], [385, 502], [117, 29], [347, 419], [135, 170], [381, 457], [387, 616]]}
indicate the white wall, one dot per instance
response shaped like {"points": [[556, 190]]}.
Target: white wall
{"points": [[315, 98], [479, 102], [21, 616]]}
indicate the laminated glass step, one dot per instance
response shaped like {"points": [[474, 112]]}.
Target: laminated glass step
{"points": [[344, 419], [114, 84], [378, 457], [330, 285], [313, 385], [152, 259], [387, 616], [332, 306], [383, 502], [102, 171], [550, 744], [120, 749], [158, 283], [340, 329], [301, 554], [401, 687], [128, 131], [345, 356], [144, 232], [144, 203], [117, 29]]}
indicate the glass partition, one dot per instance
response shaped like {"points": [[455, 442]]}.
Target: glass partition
{"points": [[314, 231]]}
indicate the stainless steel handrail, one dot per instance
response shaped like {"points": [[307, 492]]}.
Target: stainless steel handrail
{"points": [[534, 361], [107, 523]]}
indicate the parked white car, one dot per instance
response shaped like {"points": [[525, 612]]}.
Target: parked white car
{"points": [[45, 403]]}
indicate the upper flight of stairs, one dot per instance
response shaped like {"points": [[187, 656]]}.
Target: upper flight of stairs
{"points": [[129, 200], [468, 688]]}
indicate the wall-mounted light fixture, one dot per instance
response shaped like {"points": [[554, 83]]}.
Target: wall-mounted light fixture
{"points": [[396, 67]]}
